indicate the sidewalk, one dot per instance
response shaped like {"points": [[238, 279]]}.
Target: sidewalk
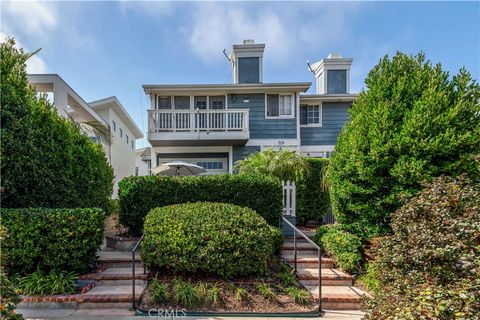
{"points": [[116, 314]]}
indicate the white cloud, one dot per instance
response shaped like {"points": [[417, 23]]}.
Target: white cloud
{"points": [[29, 17], [35, 64], [153, 9]]}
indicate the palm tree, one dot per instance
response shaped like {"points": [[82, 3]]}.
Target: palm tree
{"points": [[284, 164]]}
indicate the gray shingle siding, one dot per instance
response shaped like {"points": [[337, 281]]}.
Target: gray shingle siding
{"points": [[261, 128], [240, 152], [334, 117]]}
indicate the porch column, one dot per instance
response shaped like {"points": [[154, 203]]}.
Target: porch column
{"points": [[153, 157]]}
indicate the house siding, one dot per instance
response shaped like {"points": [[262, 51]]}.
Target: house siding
{"points": [[240, 152], [261, 128], [334, 117]]}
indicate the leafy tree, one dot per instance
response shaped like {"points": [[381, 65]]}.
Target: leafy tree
{"points": [[284, 164], [46, 161], [429, 267], [413, 122]]}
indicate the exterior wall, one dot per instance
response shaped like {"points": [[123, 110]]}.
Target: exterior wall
{"points": [[142, 166], [122, 154], [334, 117], [259, 126], [240, 152]]}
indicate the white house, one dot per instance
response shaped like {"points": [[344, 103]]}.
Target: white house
{"points": [[108, 112]]}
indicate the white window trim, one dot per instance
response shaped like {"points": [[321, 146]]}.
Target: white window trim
{"points": [[320, 117], [292, 106]]}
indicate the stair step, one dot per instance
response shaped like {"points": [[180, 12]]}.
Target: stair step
{"points": [[330, 277], [308, 260], [118, 259], [301, 246], [339, 297]]}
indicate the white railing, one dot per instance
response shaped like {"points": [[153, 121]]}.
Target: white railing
{"points": [[289, 198], [197, 120]]}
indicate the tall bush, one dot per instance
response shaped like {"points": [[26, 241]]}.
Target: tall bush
{"points": [[51, 239], [45, 160], [312, 198], [429, 267], [138, 195], [208, 238], [413, 122]]}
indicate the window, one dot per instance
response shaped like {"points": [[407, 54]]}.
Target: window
{"points": [[310, 115], [211, 165], [279, 105], [114, 126], [127, 138], [121, 132], [133, 146], [200, 102], [164, 102], [336, 81], [182, 102], [217, 102]]}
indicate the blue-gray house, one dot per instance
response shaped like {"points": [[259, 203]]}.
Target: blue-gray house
{"points": [[214, 125]]}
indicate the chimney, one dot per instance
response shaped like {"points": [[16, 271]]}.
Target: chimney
{"points": [[247, 62], [332, 74]]}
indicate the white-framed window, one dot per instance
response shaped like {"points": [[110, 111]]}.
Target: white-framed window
{"points": [[311, 115], [164, 102], [211, 165], [181, 102], [217, 102], [279, 106], [200, 102]]}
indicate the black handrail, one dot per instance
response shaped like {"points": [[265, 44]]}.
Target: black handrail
{"points": [[295, 231], [134, 302]]}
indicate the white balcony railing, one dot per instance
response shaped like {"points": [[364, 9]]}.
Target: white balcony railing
{"points": [[226, 120]]}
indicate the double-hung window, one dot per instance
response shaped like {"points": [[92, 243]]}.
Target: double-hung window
{"points": [[279, 106], [310, 115]]}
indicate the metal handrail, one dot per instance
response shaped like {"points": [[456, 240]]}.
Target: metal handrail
{"points": [[295, 231], [134, 302]]}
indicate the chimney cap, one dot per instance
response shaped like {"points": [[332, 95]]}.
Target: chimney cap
{"points": [[248, 41]]}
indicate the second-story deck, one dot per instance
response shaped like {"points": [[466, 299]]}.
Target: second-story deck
{"points": [[198, 127]]}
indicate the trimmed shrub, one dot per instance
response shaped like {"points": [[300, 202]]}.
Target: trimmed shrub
{"points": [[428, 268], [413, 122], [312, 199], [46, 160], [345, 248], [138, 195], [208, 238], [51, 239]]}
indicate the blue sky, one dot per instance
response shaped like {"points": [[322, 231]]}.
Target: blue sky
{"points": [[111, 48]]}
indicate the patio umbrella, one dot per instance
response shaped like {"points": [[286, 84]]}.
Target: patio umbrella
{"points": [[177, 168]]}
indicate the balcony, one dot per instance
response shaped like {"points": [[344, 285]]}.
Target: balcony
{"points": [[198, 127]]}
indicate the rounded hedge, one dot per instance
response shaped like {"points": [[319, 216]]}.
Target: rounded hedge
{"points": [[209, 238]]}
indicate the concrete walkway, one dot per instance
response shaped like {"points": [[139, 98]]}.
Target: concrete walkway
{"points": [[118, 314]]}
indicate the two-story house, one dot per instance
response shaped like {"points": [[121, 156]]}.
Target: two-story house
{"points": [[214, 125], [108, 113]]}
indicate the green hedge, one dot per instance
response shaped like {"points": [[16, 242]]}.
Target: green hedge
{"points": [[208, 238], [138, 195], [312, 200], [51, 239], [345, 248], [46, 160]]}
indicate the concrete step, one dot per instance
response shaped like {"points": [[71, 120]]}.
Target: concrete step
{"points": [[330, 277], [118, 259], [339, 297], [302, 246], [307, 260]]}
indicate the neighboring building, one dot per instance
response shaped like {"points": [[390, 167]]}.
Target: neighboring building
{"points": [[214, 125], [108, 112], [142, 162]]}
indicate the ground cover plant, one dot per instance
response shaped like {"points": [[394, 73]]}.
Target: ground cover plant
{"points": [[212, 238], [428, 268], [412, 122], [139, 195], [45, 159], [55, 282]]}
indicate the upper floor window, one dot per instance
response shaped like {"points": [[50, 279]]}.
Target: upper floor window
{"points": [[336, 81], [164, 102], [121, 132], [182, 102], [279, 106], [200, 102], [217, 102], [114, 125], [127, 138], [310, 115]]}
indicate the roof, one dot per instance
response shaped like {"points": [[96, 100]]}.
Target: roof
{"points": [[240, 87], [120, 110], [51, 78]]}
